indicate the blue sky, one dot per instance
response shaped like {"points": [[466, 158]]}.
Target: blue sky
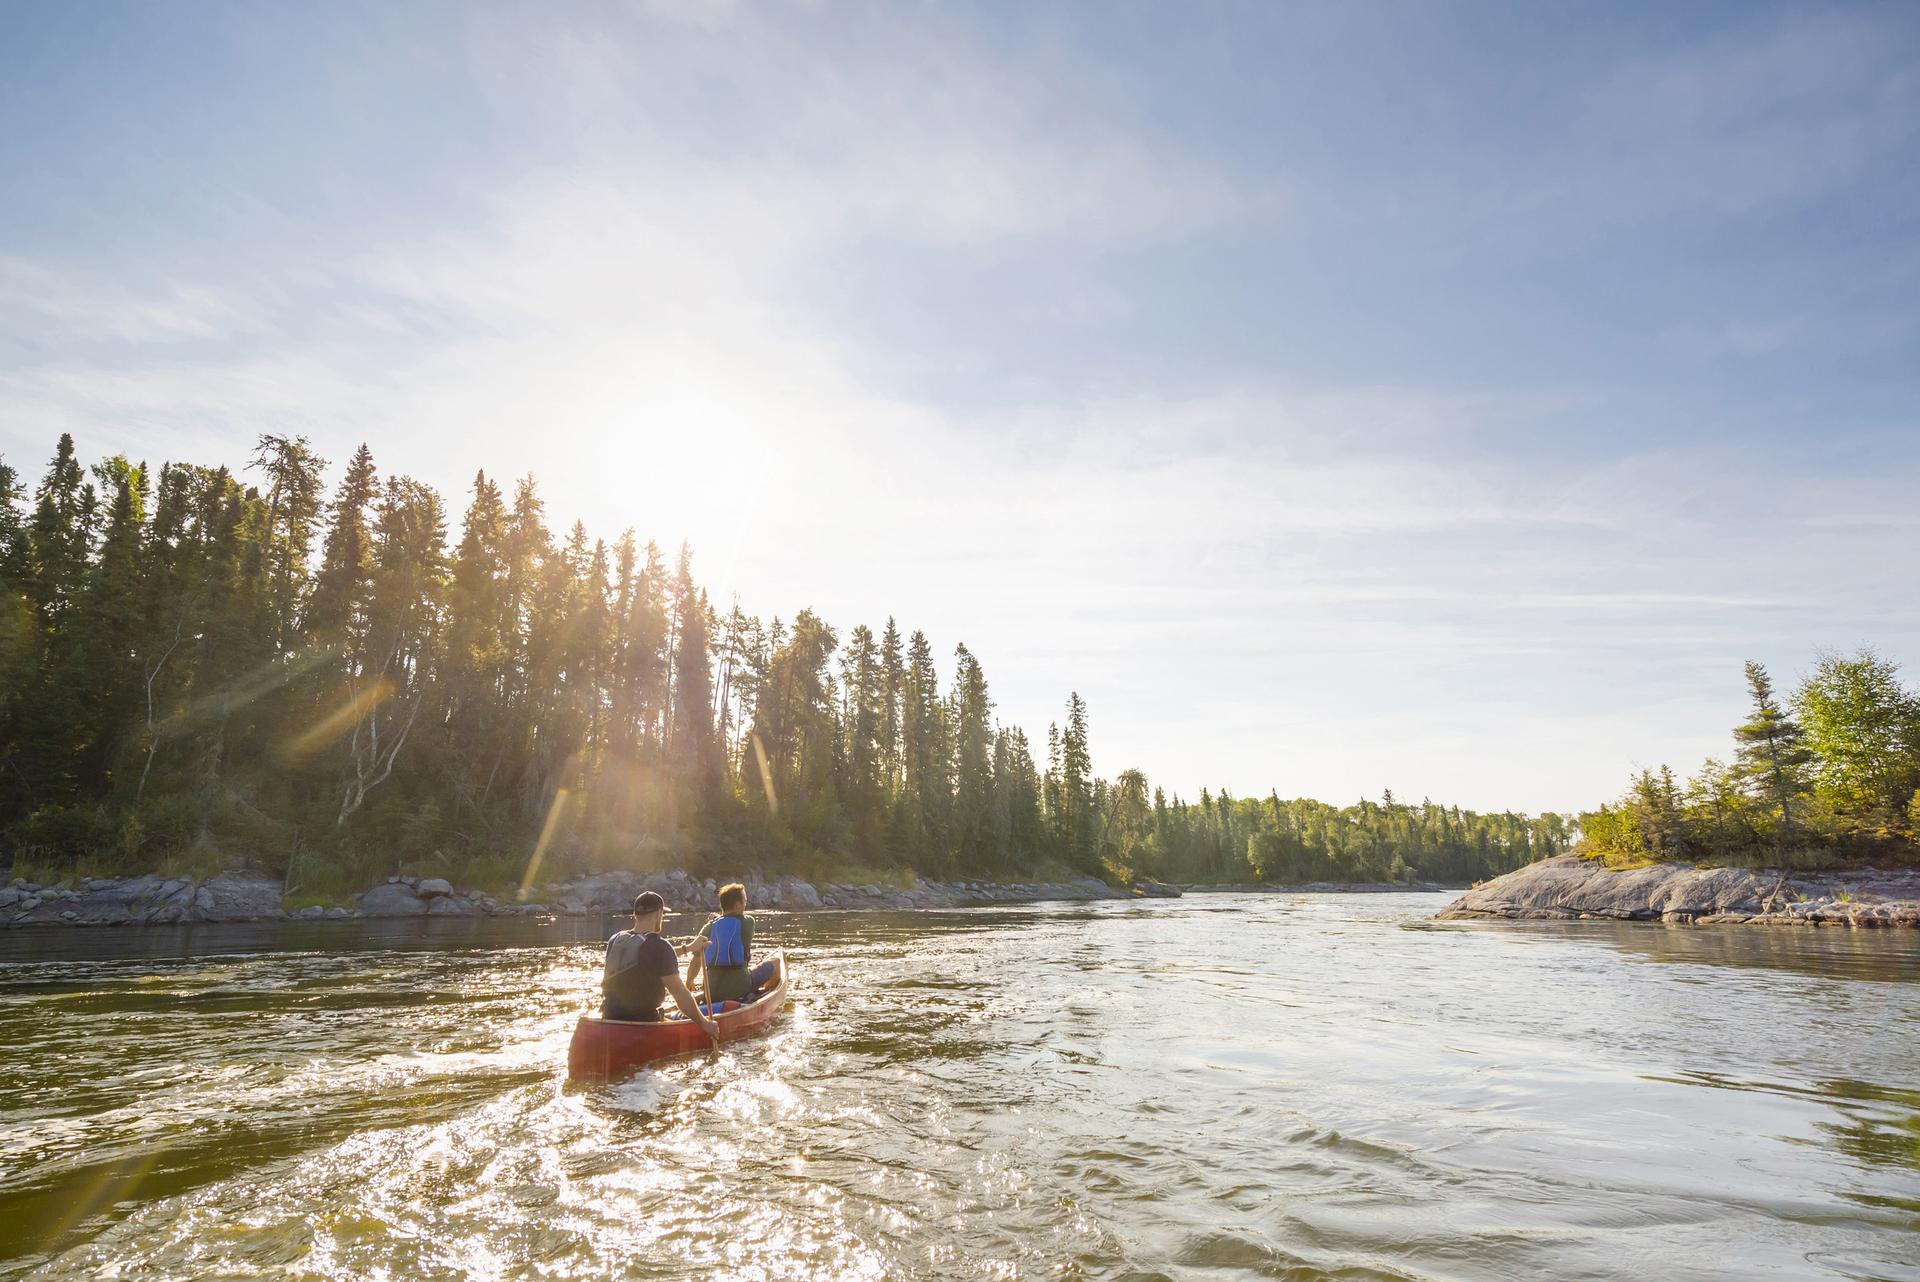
{"points": [[1345, 396]]}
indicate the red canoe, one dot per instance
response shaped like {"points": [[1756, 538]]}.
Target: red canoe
{"points": [[609, 1047]]}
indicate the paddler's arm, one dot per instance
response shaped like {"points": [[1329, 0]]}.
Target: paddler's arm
{"points": [[689, 1007], [698, 961]]}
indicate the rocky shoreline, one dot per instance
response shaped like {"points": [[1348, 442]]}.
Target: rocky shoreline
{"points": [[1572, 887], [242, 895]]}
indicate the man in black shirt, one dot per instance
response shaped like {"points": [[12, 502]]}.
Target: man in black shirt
{"points": [[642, 968]]}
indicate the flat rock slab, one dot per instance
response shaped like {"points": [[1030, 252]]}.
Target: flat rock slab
{"points": [[1569, 886]]}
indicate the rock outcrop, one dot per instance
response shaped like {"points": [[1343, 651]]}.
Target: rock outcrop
{"points": [[237, 896], [1569, 886]]}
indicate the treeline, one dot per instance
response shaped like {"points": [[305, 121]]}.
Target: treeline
{"points": [[1224, 840], [1831, 775], [197, 664]]}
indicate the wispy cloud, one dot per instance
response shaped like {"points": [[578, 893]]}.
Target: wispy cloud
{"points": [[43, 302], [1485, 584]]}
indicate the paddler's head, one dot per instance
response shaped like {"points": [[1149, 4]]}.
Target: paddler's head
{"points": [[733, 898], [649, 910]]}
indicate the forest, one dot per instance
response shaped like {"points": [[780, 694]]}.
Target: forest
{"points": [[1827, 777], [201, 665]]}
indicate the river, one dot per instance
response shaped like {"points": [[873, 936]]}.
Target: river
{"points": [[1218, 1087]]}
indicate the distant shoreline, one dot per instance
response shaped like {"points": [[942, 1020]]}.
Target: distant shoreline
{"points": [[246, 895]]}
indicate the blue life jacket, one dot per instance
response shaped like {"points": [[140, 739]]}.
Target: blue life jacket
{"points": [[726, 946]]}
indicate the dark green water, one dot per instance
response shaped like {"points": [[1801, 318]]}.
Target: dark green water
{"points": [[1259, 1087]]}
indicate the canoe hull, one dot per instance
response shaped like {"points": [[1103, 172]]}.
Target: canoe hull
{"points": [[603, 1048]]}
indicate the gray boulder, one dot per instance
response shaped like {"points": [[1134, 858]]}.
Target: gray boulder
{"points": [[392, 899], [798, 894], [236, 895], [452, 906], [606, 893], [433, 886]]}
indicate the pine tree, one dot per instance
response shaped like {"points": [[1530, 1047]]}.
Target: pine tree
{"points": [[292, 512], [863, 698], [104, 633], [50, 710], [57, 538], [336, 610], [1076, 785], [691, 746], [973, 761], [1772, 755], [405, 614], [19, 638], [794, 731], [925, 786]]}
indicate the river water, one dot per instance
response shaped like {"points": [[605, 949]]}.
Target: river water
{"points": [[1281, 1086]]}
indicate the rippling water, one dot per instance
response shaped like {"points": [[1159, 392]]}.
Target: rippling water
{"points": [[1249, 1087]]}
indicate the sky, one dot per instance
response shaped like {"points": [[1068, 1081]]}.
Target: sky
{"points": [[1340, 397]]}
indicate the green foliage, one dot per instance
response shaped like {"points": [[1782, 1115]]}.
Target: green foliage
{"points": [[1863, 727], [196, 668], [1219, 839], [1836, 785]]}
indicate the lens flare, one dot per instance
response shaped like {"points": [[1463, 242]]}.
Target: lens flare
{"points": [[340, 720], [547, 830]]}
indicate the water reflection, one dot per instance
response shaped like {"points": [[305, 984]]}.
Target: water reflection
{"points": [[1889, 956]]}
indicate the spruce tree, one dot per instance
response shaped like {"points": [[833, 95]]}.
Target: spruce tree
{"points": [[106, 633], [336, 610], [19, 649], [1076, 785], [691, 745], [973, 761], [1772, 755], [292, 512]]}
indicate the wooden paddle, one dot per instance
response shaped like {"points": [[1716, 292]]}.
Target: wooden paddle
{"points": [[706, 990]]}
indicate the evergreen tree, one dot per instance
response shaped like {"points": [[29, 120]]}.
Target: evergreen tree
{"points": [[692, 746], [19, 638], [105, 635], [1076, 786], [292, 512], [925, 788], [336, 611], [57, 538], [973, 762], [1772, 753], [405, 613]]}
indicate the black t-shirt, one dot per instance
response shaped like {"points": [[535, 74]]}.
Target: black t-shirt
{"points": [[637, 966]]}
